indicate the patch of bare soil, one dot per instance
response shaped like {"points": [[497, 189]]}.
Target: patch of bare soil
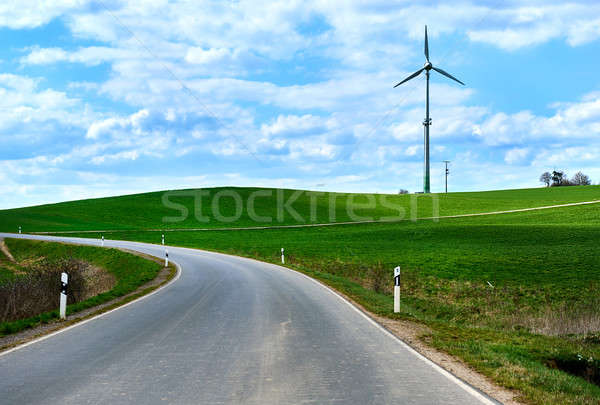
{"points": [[96, 281], [5, 250]]}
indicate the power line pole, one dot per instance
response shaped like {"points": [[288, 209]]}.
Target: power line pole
{"points": [[447, 172]]}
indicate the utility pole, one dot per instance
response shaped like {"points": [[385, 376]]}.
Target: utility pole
{"points": [[447, 172]]}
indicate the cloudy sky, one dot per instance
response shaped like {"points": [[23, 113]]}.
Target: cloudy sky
{"points": [[111, 97]]}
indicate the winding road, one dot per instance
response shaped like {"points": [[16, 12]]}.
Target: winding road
{"points": [[226, 330]]}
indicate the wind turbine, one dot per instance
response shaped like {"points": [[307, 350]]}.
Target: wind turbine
{"points": [[427, 67]]}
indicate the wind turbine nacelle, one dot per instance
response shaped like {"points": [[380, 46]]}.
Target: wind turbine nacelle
{"points": [[428, 66]]}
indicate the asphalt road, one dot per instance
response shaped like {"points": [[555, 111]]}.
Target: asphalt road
{"points": [[228, 330]]}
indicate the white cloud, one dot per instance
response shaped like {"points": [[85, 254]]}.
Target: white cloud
{"points": [[578, 156], [90, 56], [34, 119], [101, 127], [511, 39], [201, 56], [522, 26], [412, 150], [17, 14], [143, 133], [125, 155], [407, 130], [21, 84], [294, 124], [577, 121], [313, 148], [505, 129], [516, 155], [583, 31], [133, 124], [45, 56]]}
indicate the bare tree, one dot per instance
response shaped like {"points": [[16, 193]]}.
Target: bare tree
{"points": [[546, 178], [580, 179]]}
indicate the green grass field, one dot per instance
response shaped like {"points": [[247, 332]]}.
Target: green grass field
{"points": [[147, 211], [130, 272], [540, 313]]}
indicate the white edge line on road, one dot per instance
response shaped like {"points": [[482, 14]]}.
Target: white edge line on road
{"points": [[41, 338], [467, 387]]}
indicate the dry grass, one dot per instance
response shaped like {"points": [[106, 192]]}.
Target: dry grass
{"points": [[562, 321], [36, 290], [96, 281]]}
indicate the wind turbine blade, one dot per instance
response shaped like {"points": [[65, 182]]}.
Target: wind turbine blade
{"points": [[446, 74], [417, 73], [426, 45]]}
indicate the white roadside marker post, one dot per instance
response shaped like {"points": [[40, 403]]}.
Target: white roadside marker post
{"points": [[166, 258], [397, 289], [19, 229], [102, 240], [163, 238], [64, 281], [282, 257]]}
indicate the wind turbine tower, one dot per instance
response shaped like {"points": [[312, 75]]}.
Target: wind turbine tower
{"points": [[427, 67]]}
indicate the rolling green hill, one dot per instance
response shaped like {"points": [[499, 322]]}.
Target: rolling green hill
{"points": [[159, 210], [516, 295]]}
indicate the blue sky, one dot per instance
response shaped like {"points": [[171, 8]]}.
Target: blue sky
{"points": [[106, 97]]}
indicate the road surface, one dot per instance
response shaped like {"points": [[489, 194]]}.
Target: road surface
{"points": [[228, 330]]}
